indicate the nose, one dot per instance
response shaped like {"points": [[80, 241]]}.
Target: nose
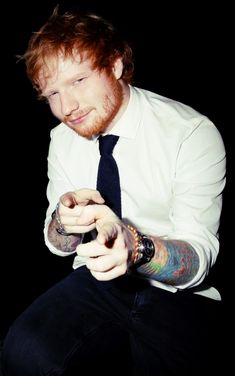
{"points": [[69, 104]]}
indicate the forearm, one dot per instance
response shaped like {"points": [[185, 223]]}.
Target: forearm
{"points": [[175, 262], [64, 243]]}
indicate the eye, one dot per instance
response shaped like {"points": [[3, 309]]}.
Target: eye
{"points": [[78, 81], [51, 95]]}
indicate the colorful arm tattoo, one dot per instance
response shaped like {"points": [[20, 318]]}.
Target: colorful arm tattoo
{"points": [[175, 262]]}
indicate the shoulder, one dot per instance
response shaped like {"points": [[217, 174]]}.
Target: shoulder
{"points": [[173, 118], [65, 142], [60, 131], [168, 107], [63, 139]]}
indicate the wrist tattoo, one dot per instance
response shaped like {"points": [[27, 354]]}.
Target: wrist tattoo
{"points": [[62, 240], [60, 228]]}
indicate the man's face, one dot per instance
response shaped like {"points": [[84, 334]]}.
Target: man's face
{"points": [[85, 99]]}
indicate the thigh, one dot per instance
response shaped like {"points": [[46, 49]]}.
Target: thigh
{"points": [[75, 312], [174, 333]]}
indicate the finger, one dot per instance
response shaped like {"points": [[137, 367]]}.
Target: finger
{"points": [[109, 231], [107, 262], [101, 263], [86, 196], [77, 217], [79, 229], [81, 197], [111, 274], [91, 249]]}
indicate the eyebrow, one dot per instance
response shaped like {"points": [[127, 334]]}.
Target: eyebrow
{"points": [[77, 76]]}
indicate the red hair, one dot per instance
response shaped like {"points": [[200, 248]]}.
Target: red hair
{"points": [[70, 33]]}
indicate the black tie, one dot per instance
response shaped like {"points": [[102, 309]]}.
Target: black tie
{"points": [[108, 182]]}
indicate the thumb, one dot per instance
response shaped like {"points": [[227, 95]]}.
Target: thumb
{"points": [[87, 196], [81, 197], [68, 200], [107, 233]]}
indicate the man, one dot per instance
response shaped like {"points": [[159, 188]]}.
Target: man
{"points": [[138, 286]]}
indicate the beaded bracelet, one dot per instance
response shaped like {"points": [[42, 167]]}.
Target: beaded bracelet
{"points": [[137, 238]]}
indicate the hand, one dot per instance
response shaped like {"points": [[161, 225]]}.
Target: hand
{"points": [[107, 255], [81, 197], [78, 210]]}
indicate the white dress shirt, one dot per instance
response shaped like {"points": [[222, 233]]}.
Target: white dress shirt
{"points": [[171, 162]]}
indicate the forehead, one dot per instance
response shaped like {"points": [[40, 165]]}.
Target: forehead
{"points": [[57, 67]]}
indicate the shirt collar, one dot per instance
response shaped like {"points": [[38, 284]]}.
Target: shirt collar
{"points": [[129, 122]]}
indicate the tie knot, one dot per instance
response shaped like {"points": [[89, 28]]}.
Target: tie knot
{"points": [[107, 143]]}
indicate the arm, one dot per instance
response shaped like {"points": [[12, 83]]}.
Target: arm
{"points": [[62, 241], [174, 262], [184, 257], [112, 253]]}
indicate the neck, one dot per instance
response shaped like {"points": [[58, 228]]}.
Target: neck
{"points": [[126, 97]]}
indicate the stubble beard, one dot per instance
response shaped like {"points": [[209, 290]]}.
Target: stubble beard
{"points": [[111, 108]]}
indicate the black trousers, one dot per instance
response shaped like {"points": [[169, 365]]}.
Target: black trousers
{"points": [[120, 326]]}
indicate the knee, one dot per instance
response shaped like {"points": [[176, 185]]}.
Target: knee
{"points": [[19, 354]]}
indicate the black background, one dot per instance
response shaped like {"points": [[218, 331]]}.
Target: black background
{"points": [[181, 51]]}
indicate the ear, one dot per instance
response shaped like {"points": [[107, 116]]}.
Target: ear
{"points": [[118, 68]]}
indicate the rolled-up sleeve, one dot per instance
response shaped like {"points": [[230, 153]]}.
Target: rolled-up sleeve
{"points": [[197, 194]]}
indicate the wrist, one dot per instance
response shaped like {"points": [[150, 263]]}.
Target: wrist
{"points": [[59, 226], [142, 250]]}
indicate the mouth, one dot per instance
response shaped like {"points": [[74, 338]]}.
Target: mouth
{"points": [[78, 119]]}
